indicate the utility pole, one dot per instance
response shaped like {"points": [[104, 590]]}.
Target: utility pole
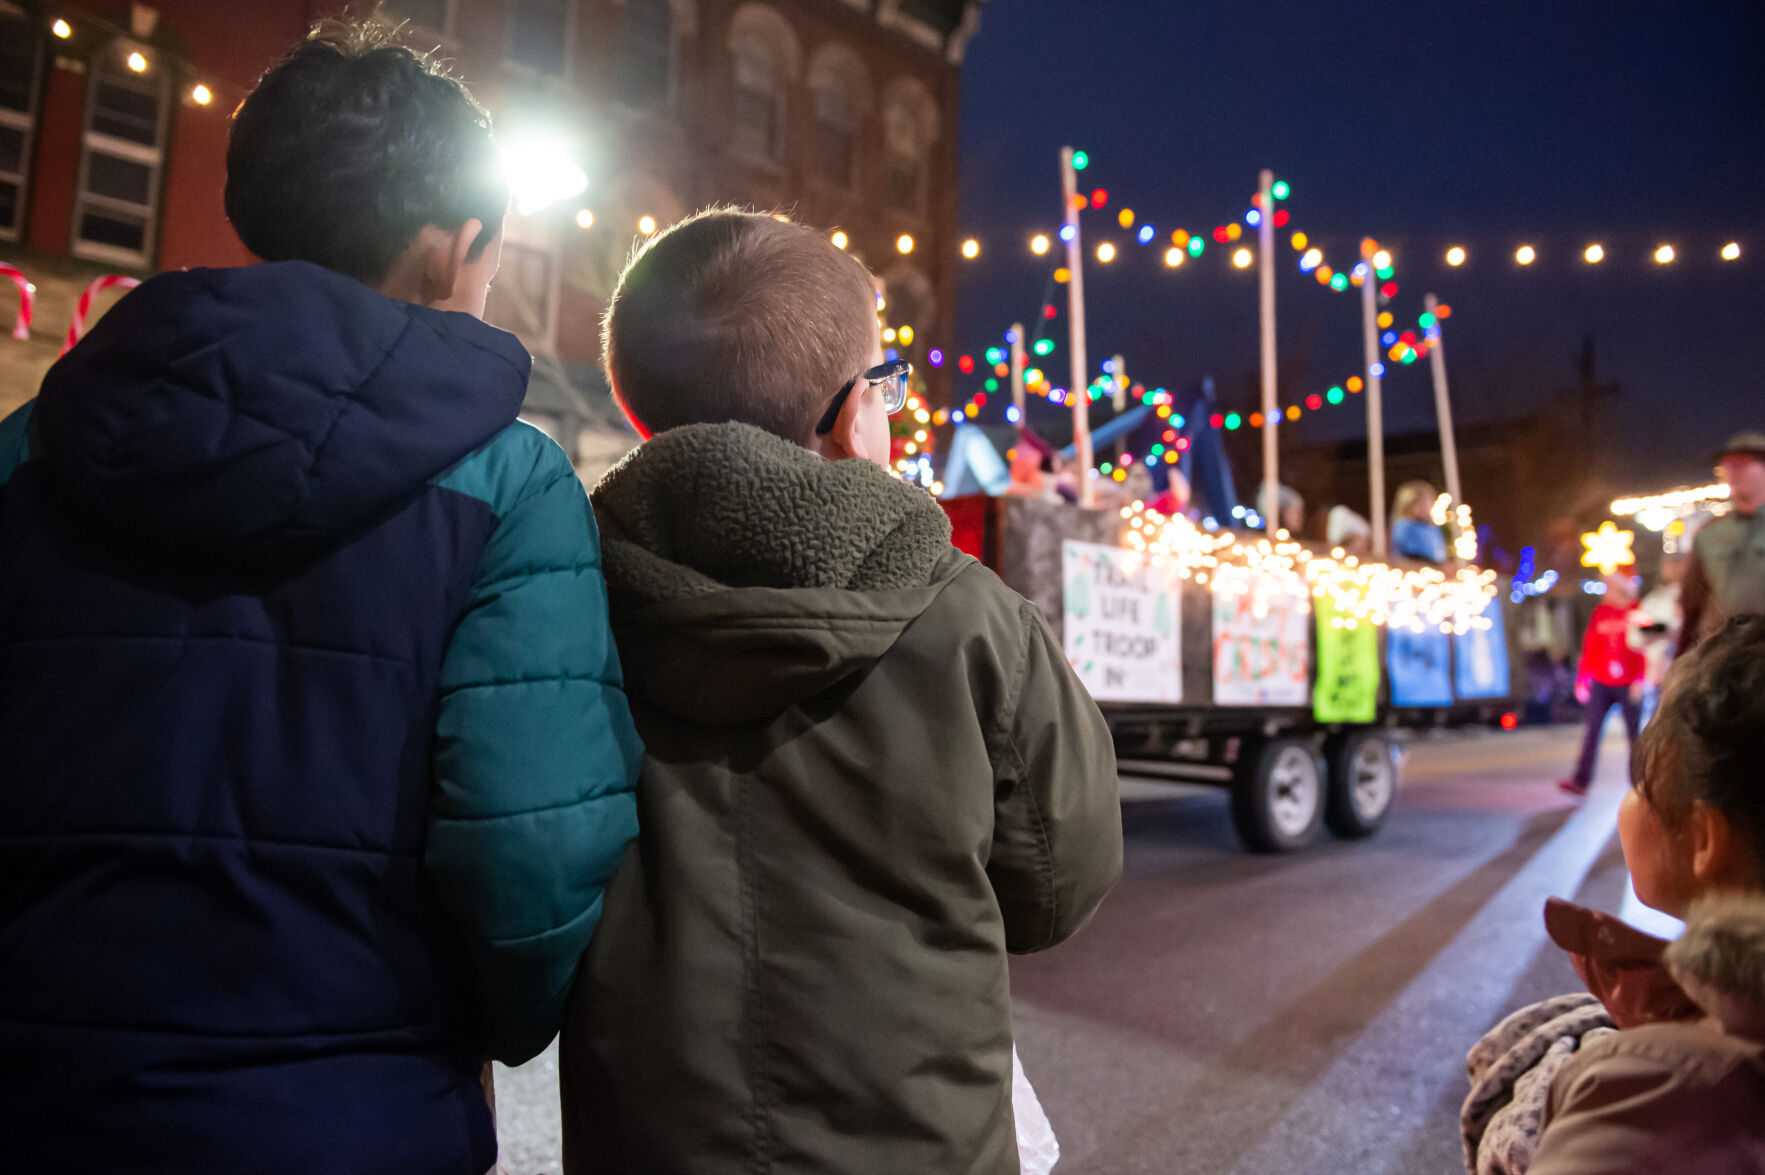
{"points": [[1271, 410], [1075, 304]]}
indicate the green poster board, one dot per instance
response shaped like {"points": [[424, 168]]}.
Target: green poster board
{"points": [[1348, 668]]}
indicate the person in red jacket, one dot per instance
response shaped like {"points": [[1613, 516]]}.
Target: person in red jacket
{"points": [[1611, 673]]}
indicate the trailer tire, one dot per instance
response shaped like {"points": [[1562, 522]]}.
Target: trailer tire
{"points": [[1363, 783], [1278, 796]]}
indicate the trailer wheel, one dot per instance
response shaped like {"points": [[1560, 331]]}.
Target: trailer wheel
{"points": [[1363, 784], [1278, 796]]}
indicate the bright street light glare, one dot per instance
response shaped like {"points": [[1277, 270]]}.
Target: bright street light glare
{"points": [[1106, 252], [1595, 254], [1381, 260], [1455, 256], [905, 244], [1526, 255], [540, 172], [1664, 254], [647, 225], [1038, 244], [1242, 259], [840, 240], [1173, 257], [971, 248], [1731, 251]]}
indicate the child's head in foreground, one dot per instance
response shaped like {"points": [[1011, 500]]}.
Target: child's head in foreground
{"points": [[739, 316], [359, 155], [1693, 822]]}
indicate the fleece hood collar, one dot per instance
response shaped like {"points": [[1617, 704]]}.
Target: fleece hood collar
{"points": [[748, 573], [233, 411]]}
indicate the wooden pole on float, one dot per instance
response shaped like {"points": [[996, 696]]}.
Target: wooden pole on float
{"points": [[1075, 319], [1449, 448], [1271, 411], [1375, 397]]}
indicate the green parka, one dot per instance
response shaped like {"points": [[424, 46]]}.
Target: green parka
{"points": [[870, 774]]}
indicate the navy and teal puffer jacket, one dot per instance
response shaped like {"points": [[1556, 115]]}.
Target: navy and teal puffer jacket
{"points": [[314, 757]]}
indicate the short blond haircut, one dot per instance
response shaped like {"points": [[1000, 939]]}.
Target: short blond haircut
{"points": [[738, 316]]}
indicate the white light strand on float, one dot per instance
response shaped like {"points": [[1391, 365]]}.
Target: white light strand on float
{"points": [[1674, 500], [1413, 599]]}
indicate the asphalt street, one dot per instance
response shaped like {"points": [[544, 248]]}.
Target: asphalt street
{"points": [[1258, 1015]]}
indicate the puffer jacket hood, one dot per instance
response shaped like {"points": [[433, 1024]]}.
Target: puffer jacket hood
{"points": [[162, 425], [747, 573]]}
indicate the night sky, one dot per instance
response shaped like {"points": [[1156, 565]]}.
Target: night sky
{"points": [[1423, 125]]}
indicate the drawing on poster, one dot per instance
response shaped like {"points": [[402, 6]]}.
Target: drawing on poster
{"points": [[1121, 623], [1420, 665], [1347, 689], [1480, 658], [1261, 646]]}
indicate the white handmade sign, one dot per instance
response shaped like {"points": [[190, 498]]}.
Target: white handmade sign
{"points": [[1122, 624], [1261, 644]]}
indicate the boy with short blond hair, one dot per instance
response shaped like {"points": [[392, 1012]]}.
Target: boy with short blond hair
{"points": [[870, 771]]}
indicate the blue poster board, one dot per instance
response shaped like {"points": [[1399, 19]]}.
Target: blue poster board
{"points": [[1480, 658], [1420, 667]]}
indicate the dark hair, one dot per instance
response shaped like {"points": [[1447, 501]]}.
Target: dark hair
{"points": [[738, 316], [352, 144], [1707, 738]]}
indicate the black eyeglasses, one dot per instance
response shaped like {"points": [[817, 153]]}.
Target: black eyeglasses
{"points": [[890, 378]]}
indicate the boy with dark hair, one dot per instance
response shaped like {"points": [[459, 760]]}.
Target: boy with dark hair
{"points": [[870, 772], [317, 755]]}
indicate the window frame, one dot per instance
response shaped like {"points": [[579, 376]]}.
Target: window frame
{"points": [[25, 122], [544, 341], [449, 10], [153, 158], [567, 65], [670, 95]]}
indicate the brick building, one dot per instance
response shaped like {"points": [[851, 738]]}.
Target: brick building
{"points": [[839, 113]]}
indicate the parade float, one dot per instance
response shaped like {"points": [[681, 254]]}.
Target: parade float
{"points": [[1242, 658]]}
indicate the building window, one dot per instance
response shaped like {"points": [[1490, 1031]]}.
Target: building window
{"points": [[905, 145], [116, 208], [21, 67], [539, 34], [425, 14], [759, 101], [646, 53], [836, 117], [524, 296]]}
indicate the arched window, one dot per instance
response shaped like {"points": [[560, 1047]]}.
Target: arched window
{"points": [[759, 101], [836, 118], [765, 57], [646, 53], [910, 127], [841, 87]]}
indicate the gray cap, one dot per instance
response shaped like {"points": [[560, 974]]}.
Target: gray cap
{"points": [[1751, 441]]}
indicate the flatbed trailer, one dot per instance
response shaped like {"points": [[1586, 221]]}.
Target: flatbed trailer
{"points": [[1290, 775]]}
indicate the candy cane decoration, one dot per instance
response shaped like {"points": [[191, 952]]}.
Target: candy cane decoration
{"points": [[27, 301], [78, 327]]}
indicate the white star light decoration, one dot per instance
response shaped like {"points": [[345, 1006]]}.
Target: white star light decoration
{"points": [[1608, 548]]}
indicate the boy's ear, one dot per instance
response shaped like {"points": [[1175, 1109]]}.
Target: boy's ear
{"points": [[445, 256], [848, 437]]}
